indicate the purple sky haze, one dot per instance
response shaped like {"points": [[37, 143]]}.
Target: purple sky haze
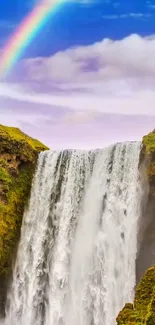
{"points": [[85, 97]]}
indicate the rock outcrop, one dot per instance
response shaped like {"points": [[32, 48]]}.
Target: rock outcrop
{"points": [[142, 311], [148, 156], [146, 237], [18, 158]]}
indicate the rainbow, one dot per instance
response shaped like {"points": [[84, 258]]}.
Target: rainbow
{"points": [[25, 33]]}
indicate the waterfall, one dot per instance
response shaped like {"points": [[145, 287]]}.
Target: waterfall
{"points": [[75, 263]]}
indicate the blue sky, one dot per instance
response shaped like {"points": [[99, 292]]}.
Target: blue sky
{"points": [[88, 78], [80, 24]]}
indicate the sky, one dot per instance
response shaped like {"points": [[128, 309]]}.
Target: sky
{"points": [[87, 79]]}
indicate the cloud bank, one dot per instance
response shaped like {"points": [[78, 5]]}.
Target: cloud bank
{"points": [[88, 84], [132, 57]]}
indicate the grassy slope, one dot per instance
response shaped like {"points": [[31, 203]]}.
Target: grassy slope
{"points": [[18, 157]]}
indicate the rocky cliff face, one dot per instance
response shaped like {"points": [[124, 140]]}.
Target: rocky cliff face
{"points": [[146, 254], [142, 311], [18, 158], [148, 156]]}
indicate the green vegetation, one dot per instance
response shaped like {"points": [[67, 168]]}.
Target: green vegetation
{"points": [[149, 142], [14, 141], [143, 309], [18, 157], [148, 157]]}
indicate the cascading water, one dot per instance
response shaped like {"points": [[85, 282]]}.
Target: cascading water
{"points": [[75, 263]]}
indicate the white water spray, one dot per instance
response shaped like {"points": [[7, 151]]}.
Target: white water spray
{"points": [[76, 258]]}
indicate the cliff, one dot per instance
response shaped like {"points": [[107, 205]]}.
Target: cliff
{"points": [[146, 236], [18, 158], [147, 155], [142, 311]]}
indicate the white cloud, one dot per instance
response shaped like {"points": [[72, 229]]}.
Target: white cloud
{"points": [[150, 5], [128, 15], [116, 77], [113, 77], [140, 102], [130, 57]]}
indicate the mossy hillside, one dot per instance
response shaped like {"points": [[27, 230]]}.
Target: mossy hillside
{"points": [[15, 142], [148, 156], [18, 157], [143, 309], [149, 142]]}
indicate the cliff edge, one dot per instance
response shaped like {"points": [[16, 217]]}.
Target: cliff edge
{"points": [[147, 156], [146, 234], [142, 311], [18, 158]]}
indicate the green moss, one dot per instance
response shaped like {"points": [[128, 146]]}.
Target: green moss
{"points": [[11, 217], [143, 309], [147, 156], [18, 157], [14, 141], [149, 142], [4, 175]]}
